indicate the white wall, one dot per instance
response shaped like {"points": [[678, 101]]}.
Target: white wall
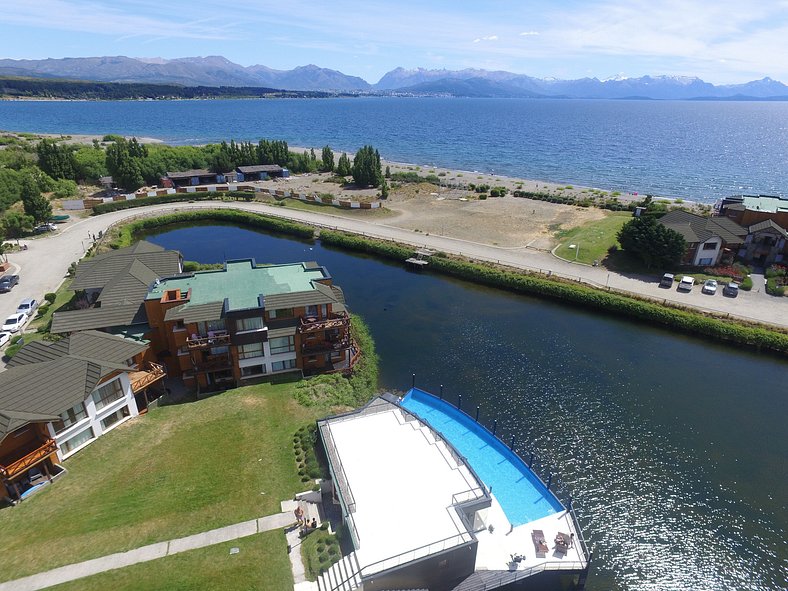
{"points": [[714, 254], [94, 418]]}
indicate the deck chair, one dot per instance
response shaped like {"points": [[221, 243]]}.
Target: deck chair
{"points": [[540, 546]]}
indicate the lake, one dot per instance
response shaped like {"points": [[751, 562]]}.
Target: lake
{"points": [[673, 448], [700, 150]]}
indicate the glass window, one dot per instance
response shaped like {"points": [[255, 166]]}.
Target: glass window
{"points": [[250, 350], [281, 313], [249, 324], [107, 394], [311, 310], [211, 325], [283, 365], [110, 420], [70, 417], [78, 439], [710, 246], [282, 345], [252, 370], [219, 350]]}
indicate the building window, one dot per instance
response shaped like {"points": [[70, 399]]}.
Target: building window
{"points": [[211, 326], [281, 313], [79, 439], [70, 417], [704, 262], [219, 350], [710, 246], [251, 350], [110, 420], [282, 345], [246, 324], [283, 365], [107, 394], [252, 370], [311, 310]]}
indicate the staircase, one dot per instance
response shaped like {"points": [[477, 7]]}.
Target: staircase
{"points": [[342, 576]]}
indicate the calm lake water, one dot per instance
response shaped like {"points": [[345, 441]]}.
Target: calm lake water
{"points": [[696, 150], [673, 448]]}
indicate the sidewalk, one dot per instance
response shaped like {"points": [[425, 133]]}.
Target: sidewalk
{"points": [[79, 570]]}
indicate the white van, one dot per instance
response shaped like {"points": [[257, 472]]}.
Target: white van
{"points": [[686, 283]]}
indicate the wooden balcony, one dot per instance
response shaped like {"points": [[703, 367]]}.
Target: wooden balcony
{"points": [[213, 363], [309, 325], [142, 379], [219, 338], [325, 346], [36, 456]]}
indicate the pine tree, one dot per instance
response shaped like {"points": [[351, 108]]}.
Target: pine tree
{"points": [[343, 166], [366, 167], [36, 205], [328, 159], [654, 244]]}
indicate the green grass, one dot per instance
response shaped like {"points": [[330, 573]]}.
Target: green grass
{"points": [[176, 471], [319, 550], [592, 240], [63, 296], [333, 210], [261, 563]]}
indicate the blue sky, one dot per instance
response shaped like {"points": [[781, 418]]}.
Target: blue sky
{"points": [[721, 41]]}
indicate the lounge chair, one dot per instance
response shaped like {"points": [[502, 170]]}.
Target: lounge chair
{"points": [[540, 546], [562, 542]]}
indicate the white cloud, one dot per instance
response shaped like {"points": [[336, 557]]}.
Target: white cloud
{"points": [[488, 38], [529, 33]]}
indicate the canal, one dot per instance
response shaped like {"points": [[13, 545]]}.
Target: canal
{"points": [[672, 447]]}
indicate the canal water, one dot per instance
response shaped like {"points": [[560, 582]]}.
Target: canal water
{"points": [[673, 448]]}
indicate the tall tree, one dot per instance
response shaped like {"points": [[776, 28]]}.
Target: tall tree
{"points": [[651, 242], [344, 167], [36, 205], [366, 167], [328, 159], [57, 160], [16, 224], [124, 163]]}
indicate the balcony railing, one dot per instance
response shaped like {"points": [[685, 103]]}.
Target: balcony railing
{"points": [[213, 362], [324, 346], [28, 461], [309, 324], [142, 379], [212, 339]]}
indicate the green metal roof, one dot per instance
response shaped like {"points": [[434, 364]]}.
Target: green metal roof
{"points": [[241, 283], [765, 203]]}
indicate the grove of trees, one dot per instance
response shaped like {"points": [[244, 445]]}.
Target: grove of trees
{"points": [[651, 242]]}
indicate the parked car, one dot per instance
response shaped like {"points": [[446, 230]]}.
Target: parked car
{"points": [[686, 283], [14, 322], [7, 282], [710, 287], [27, 306], [4, 338], [49, 227], [667, 280], [731, 289]]}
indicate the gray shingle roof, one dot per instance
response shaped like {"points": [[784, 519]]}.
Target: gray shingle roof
{"points": [[104, 317], [281, 332], [696, 228], [259, 168], [43, 380], [323, 294], [197, 313], [766, 225], [99, 271], [187, 174]]}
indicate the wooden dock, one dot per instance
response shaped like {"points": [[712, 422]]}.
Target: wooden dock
{"points": [[420, 258]]}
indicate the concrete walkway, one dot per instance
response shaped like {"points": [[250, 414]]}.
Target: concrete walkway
{"points": [[79, 570], [43, 265]]}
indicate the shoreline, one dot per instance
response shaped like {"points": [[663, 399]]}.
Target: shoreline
{"points": [[451, 176]]}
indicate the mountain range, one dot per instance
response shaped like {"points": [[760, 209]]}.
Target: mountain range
{"points": [[219, 71]]}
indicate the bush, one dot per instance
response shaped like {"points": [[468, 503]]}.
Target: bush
{"points": [[773, 288], [42, 309], [746, 283], [12, 350], [176, 198]]}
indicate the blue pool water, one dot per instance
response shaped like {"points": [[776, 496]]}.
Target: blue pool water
{"points": [[520, 493]]}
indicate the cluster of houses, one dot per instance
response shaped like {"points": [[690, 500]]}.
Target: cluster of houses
{"points": [[192, 178], [140, 320], [753, 229]]}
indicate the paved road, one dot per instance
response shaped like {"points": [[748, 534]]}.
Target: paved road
{"points": [[43, 265], [79, 570]]}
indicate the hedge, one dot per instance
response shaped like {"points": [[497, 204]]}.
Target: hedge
{"points": [[176, 198], [129, 231], [581, 295]]}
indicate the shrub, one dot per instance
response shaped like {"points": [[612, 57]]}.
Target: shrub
{"points": [[746, 283], [12, 350], [42, 309], [773, 288], [50, 297]]}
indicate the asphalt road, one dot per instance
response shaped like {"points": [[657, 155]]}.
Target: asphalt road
{"points": [[42, 267]]}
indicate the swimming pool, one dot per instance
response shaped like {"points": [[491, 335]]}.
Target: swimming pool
{"points": [[521, 494]]}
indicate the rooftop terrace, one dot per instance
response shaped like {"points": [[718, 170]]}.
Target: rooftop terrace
{"points": [[241, 282]]}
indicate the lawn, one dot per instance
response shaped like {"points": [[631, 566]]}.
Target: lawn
{"points": [[591, 241], [261, 563], [175, 471], [62, 297], [332, 210]]}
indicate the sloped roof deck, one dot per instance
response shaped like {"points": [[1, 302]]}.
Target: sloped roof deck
{"points": [[695, 228]]}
